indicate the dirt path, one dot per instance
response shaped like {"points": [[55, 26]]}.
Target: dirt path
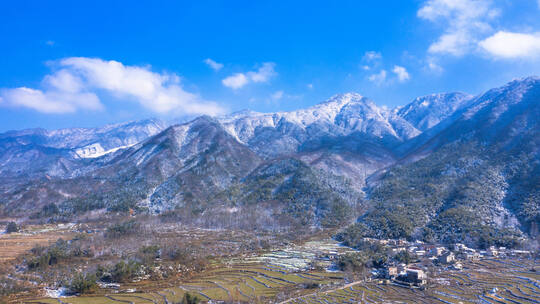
{"points": [[323, 292]]}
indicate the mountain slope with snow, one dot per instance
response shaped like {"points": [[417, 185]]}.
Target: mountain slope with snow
{"points": [[272, 134], [348, 135], [58, 152], [427, 111], [446, 167], [478, 177]]}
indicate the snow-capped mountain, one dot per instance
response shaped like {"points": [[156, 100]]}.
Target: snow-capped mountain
{"points": [[347, 135], [89, 142], [272, 134], [425, 157], [57, 152], [427, 111], [499, 116], [474, 177]]}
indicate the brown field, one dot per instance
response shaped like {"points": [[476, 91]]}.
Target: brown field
{"points": [[14, 244], [259, 277], [488, 281]]}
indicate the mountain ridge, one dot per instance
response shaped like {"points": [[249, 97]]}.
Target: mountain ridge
{"points": [[419, 161]]}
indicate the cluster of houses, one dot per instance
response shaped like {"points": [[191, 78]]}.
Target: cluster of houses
{"points": [[446, 256], [401, 274], [438, 255]]}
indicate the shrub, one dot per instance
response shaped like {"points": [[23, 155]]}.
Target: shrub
{"points": [[9, 286], [123, 229], [152, 250], [190, 299], [124, 272], [176, 253], [405, 257], [12, 227], [48, 210], [311, 285], [353, 235], [83, 283], [104, 274], [148, 254], [49, 256], [357, 261]]}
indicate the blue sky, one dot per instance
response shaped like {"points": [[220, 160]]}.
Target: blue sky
{"points": [[74, 64]]}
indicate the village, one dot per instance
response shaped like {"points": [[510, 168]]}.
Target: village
{"points": [[425, 256], [300, 270]]}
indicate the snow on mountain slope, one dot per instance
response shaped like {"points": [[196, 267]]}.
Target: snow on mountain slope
{"points": [[55, 152], [501, 116], [108, 137], [427, 111], [347, 135], [474, 175], [479, 155], [271, 134], [96, 150]]}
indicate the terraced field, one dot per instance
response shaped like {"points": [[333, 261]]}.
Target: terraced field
{"points": [[284, 276], [248, 283], [486, 281]]}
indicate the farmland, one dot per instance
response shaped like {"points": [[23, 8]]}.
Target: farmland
{"points": [[12, 245], [486, 281], [285, 276]]}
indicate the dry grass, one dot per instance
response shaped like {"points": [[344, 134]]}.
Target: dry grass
{"points": [[15, 244]]}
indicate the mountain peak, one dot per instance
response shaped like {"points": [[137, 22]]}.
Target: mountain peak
{"points": [[239, 114], [426, 111], [527, 79], [345, 98]]}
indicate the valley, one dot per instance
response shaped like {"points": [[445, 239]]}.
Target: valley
{"points": [[270, 152], [345, 201]]}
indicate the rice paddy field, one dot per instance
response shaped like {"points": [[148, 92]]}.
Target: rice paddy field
{"points": [[486, 281], [285, 275], [246, 283]]}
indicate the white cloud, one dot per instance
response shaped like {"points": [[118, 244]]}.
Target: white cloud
{"points": [[310, 86], [235, 81], [463, 20], [378, 78], [49, 101], [277, 95], [433, 66], [371, 56], [262, 74], [76, 84], [401, 73], [512, 45], [64, 80], [216, 66], [370, 60]]}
